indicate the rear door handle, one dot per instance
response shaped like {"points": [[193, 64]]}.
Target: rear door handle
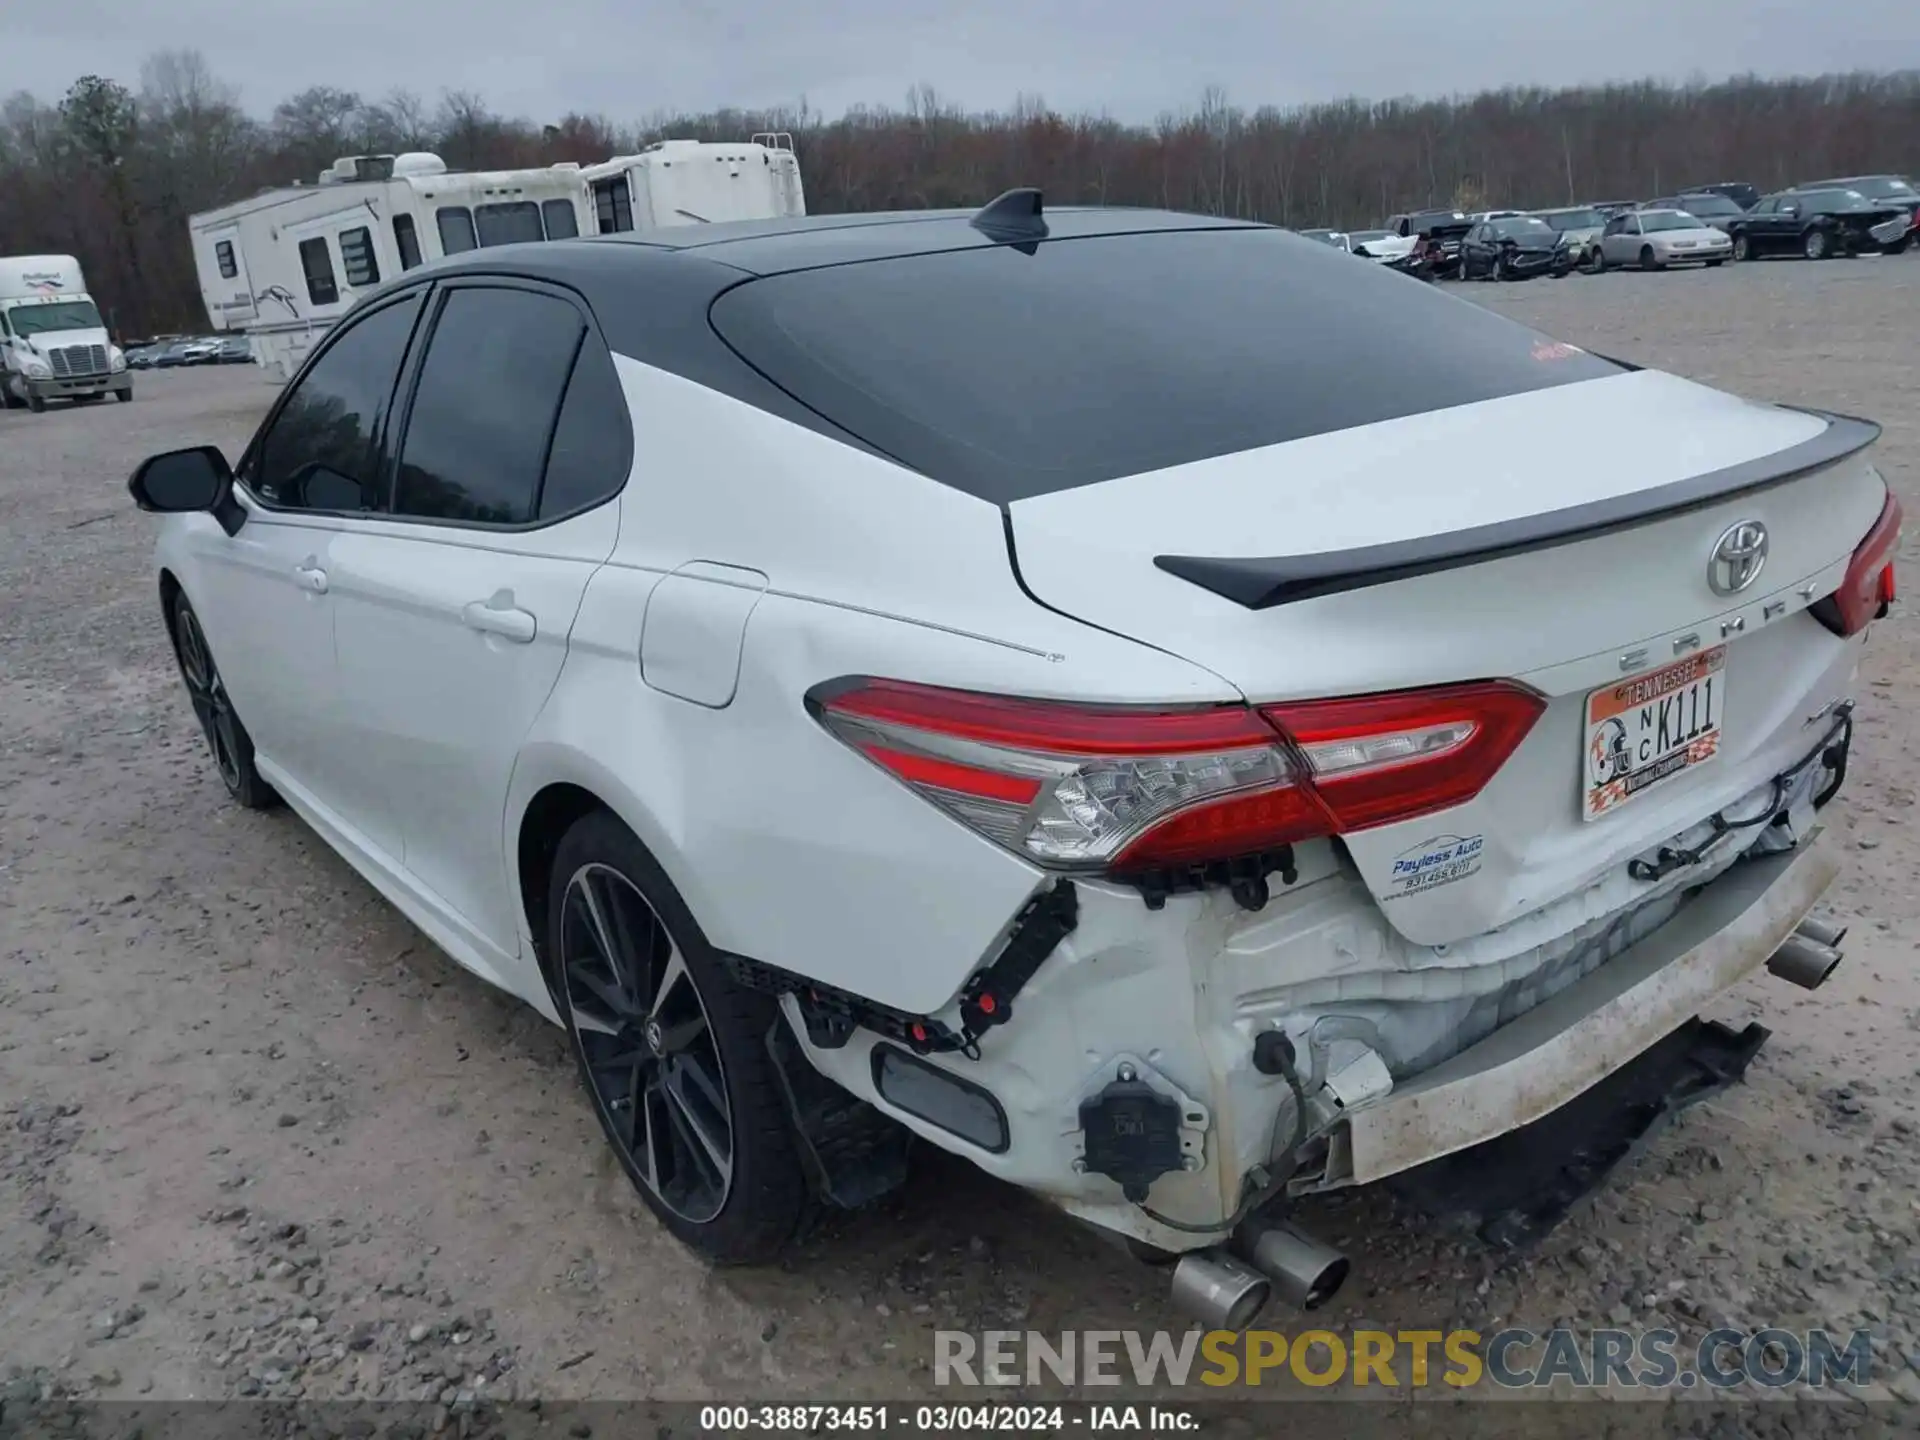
{"points": [[492, 617], [311, 577]]}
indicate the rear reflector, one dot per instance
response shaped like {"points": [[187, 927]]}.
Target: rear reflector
{"points": [[1123, 788], [1868, 587], [957, 1106]]}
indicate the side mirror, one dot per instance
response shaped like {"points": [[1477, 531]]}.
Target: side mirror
{"points": [[183, 481]]}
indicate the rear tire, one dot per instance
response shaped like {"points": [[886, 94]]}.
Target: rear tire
{"points": [[227, 738], [673, 1053]]}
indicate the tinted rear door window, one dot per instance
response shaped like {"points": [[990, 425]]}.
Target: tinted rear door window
{"points": [[562, 223], [484, 407], [1009, 375]]}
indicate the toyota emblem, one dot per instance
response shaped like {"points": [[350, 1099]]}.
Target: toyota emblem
{"points": [[1737, 557]]}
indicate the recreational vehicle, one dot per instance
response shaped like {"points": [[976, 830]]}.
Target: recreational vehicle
{"points": [[688, 182], [53, 343], [283, 265]]}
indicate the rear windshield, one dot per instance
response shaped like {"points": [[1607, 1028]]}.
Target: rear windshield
{"points": [[1009, 374]]}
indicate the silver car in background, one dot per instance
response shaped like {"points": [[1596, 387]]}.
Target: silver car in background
{"points": [[1655, 239], [1581, 225]]}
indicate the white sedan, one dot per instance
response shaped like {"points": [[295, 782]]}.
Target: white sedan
{"points": [[999, 680], [1655, 239]]}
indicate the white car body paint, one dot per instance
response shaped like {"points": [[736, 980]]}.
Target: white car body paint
{"points": [[676, 630]]}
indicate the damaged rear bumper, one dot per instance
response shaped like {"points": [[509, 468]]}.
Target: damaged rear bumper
{"points": [[1550, 1055]]}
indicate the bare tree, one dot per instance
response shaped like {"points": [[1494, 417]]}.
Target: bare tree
{"points": [[113, 181]]}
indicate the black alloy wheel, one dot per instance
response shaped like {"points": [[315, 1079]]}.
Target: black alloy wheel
{"points": [[648, 1046], [227, 738], [672, 1051]]}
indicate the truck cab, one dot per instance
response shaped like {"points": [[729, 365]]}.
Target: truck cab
{"points": [[53, 343]]}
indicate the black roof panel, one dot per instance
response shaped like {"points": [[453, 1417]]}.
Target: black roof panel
{"points": [[774, 247]]}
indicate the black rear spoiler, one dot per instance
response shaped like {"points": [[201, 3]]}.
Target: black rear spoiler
{"points": [[1260, 584]]}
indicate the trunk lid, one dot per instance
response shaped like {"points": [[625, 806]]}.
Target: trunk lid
{"points": [[1569, 618]]}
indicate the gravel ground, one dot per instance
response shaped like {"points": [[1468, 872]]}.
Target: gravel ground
{"points": [[258, 1137]]}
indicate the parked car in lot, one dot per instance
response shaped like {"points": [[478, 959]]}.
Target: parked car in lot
{"points": [[1444, 229], [1885, 189], [1516, 247], [1101, 756], [176, 353], [1820, 224], [1338, 239], [1408, 254], [236, 350], [1656, 239], [1716, 210], [1739, 191], [1580, 227], [140, 357]]}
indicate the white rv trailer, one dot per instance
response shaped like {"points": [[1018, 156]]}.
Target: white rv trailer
{"points": [[691, 182], [284, 264]]}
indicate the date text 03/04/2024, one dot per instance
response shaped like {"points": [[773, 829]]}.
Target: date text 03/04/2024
{"points": [[817, 1419]]}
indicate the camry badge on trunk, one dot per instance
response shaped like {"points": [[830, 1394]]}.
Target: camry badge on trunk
{"points": [[1737, 557]]}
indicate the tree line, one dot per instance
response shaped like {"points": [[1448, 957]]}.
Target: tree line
{"points": [[109, 172]]}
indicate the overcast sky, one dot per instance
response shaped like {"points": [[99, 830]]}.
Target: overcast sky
{"points": [[1131, 58]]}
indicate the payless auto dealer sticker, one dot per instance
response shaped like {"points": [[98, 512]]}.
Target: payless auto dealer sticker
{"points": [[1432, 863]]}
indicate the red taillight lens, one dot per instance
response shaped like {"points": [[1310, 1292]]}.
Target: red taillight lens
{"points": [[1868, 587], [1127, 788], [1381, 758]]}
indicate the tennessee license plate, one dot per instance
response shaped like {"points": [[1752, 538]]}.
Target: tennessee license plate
{"points": [[1649, 728]]}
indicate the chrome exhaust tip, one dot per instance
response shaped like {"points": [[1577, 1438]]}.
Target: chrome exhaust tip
{"points": [[1305, 1272], [1804, 962], [1821, 932], [1219, 1290]]}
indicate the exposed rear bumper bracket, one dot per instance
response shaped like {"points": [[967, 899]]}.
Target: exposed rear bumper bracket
{"points": [[1514, 1190], [1531, 1067]]}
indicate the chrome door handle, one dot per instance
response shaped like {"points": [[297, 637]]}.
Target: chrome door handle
{"points": [[505, 621], [311, 577]]}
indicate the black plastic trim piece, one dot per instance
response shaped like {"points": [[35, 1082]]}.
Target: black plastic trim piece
{"points": [[1260, 584]]}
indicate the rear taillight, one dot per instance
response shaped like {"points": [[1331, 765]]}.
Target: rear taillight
{"points": [[1868, 587], [1123, 788]]}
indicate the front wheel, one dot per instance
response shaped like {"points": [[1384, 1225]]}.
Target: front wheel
{"points": [[227, 738], [1715, 264], [1815, 245], [124, 395], [1742, 249], [36, 403], [672, 1051], [1647, 261]]}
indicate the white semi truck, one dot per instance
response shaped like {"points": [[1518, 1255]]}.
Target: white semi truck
{"points": [[53, 343]]}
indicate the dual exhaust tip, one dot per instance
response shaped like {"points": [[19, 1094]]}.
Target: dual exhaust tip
{"points": [[1808, 956], [1226, 1286]]}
